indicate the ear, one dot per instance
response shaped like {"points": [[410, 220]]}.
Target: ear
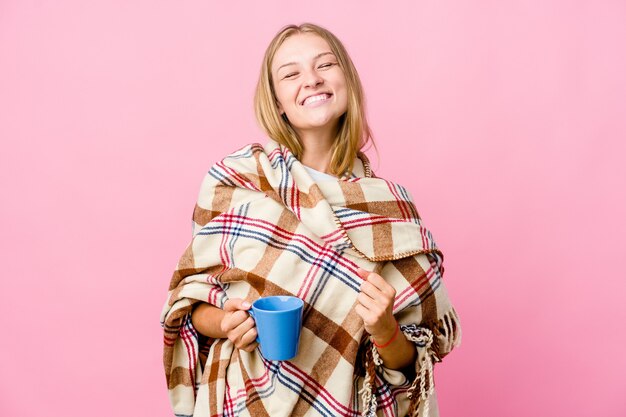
{"points": [[280, 108]]}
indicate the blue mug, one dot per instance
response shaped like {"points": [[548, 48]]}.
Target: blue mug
{"points": [[278, 322]]}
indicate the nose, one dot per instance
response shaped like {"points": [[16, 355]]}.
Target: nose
{"points": [[312, 79]]}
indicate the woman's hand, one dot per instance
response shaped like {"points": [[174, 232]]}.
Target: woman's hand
{"points": [[375, 306], [238, 325]]}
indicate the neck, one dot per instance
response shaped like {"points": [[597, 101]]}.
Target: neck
{"points": [[317, 149]]}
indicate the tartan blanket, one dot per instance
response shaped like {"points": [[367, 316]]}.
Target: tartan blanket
{"points": [[261, 227]]}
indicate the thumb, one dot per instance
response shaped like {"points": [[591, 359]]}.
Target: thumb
{"points": [[235, 304]]}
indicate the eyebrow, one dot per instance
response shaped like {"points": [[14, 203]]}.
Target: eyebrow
{"points": [[314, 58]]}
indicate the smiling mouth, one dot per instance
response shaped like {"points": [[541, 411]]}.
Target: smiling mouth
{"points": [[316, 98]]}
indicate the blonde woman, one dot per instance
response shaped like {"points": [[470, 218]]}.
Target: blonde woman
{"points": [[304, 215]]}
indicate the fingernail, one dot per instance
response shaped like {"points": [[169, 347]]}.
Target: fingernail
{"points": [[246, 304]]}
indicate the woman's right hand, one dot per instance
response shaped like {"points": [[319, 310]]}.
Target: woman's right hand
{"points": [[238, 325]]}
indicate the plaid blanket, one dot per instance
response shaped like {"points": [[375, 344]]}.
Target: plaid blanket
{"points": [[262, 226]]}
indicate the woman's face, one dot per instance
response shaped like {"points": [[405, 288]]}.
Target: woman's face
{"points": [[309, 84]]}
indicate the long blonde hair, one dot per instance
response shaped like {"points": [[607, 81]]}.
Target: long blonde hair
{"points": [[353, 132]]}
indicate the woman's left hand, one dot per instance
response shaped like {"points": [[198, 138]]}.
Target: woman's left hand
{"points": [[375, 306]]}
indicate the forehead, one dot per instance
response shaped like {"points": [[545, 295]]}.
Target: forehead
{"points": [[299, 48]]}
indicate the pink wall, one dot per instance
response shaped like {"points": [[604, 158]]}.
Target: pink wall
{"points": [[506, 120]]}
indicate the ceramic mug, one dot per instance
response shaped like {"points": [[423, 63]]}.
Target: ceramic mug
{"points": [[278, 322]]}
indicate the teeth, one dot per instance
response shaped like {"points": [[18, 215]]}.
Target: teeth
{"points": [[316, 98]]}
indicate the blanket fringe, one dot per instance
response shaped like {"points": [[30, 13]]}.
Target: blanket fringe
{"points": [[370, 404], [423, 385], [425, 375]]}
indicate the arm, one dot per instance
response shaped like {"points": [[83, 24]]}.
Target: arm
{"points": [[207, 320], [396, 351], [233, 322]]}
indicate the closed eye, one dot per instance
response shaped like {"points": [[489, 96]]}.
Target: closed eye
{"points": [[326, 65]]}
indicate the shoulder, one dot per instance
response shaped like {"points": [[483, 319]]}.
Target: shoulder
{"points": [[241, 157], [255, 150], [245, 151]]}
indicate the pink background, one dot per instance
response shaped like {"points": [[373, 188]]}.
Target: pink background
{"points": [[506, 120]]}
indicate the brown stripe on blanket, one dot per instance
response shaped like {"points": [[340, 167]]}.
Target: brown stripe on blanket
{"points": [[174, 297], [185, 267], [340, 344], [287, 221], [179, 275], [354, 197], [179, 376], [254, 403], [175, 320], [390, 209], [261, 182], [382, 239], [415, 275], [394, 209], [265, 288], [217, 371], [312, 198], [381, 233], [413, 209], [202, 216], [167, 360], [338, 337], [187, 261], [302, 405], [220, 200]]}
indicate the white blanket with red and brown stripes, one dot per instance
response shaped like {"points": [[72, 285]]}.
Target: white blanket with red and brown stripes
{"points": [[262, 226]]}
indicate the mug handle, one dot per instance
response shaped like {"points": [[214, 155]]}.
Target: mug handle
{"points": [[254, 318]]}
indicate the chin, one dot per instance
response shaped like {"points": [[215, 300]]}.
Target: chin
{"points": [[323, 121]]}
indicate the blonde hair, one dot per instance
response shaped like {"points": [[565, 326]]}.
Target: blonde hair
{"points": [[353, 131]]}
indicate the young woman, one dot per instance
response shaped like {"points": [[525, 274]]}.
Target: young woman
{"points": [[304, 215]]}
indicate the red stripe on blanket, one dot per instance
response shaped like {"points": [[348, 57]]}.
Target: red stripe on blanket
{"points": [[415, 287], [400, 201]]}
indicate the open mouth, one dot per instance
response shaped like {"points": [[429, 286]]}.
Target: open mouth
{"points": [[316, 99]]}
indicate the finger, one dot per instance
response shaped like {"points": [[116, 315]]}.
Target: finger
{"points": [[380, 283], [366, 301], [375, 301], [236, 334], [246, 334], [234, 319], [243, 327], [372, 291], [250, 347], [249, 337], [363, 273], [235, 304], [369, 319], [360, 310], [363, 313], [373, 309]]}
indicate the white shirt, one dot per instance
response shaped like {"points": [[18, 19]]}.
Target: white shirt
{"points": [[319, 176]]}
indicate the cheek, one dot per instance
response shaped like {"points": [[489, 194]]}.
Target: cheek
{"points": [[283, 94], [339, 79]]}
